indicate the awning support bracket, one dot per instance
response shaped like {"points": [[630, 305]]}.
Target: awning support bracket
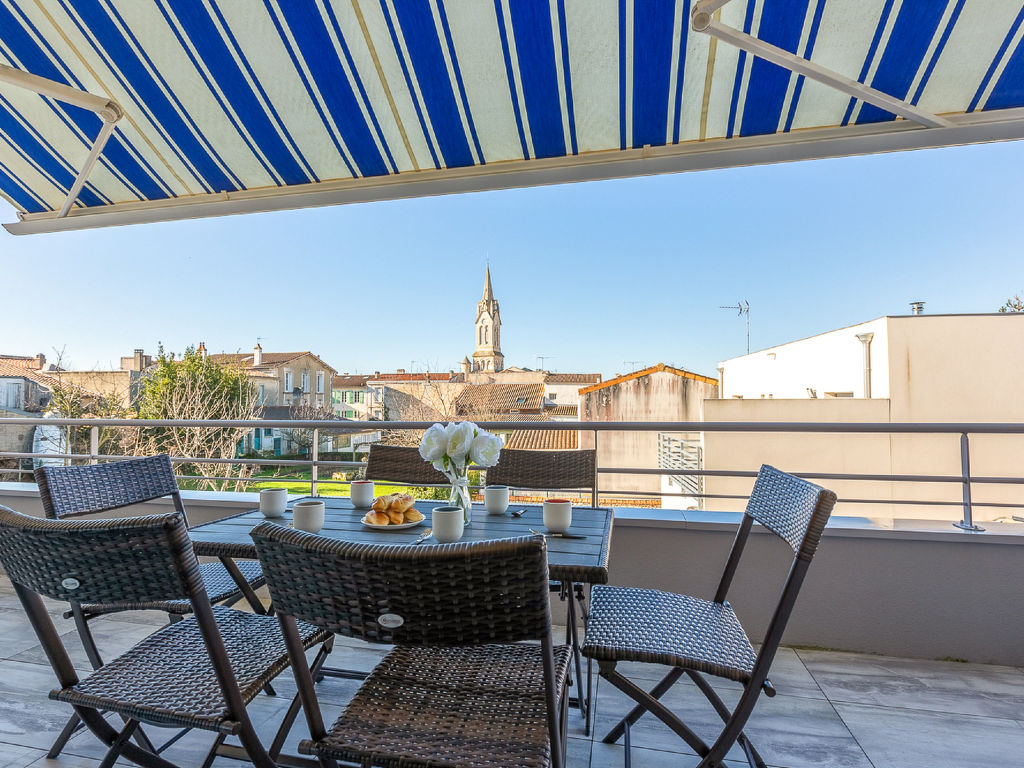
{"points": [[702, 19], [108, 110]]}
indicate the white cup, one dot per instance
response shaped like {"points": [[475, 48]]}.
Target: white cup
{"points": [[448, 524], [496, 499], [273, 501], [308, 516], [557, 515], [361, 493]]}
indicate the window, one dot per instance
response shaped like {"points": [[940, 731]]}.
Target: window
{"points": [[305, 381], [350, 414], [359, 396], [288, 382], [263, 393], [319, 382], [268, 432]]}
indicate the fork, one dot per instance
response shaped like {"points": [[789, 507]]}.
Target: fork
{"points": [[423, 537]]}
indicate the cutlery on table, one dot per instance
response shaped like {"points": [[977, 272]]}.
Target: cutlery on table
{"points": [[519, 513], [560, 535], [423, 537]]}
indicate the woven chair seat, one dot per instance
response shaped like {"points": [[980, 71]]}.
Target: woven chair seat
{"points": [[647, 625], [168, 678], [219, 587], [470, 707]]}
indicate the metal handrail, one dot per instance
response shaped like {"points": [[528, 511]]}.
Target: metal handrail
{"points": [[343, 426]]}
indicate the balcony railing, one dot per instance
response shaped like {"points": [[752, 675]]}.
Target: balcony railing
{"points": [[315, 465]]}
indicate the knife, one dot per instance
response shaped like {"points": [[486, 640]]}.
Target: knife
{"points": [[560, 535]]}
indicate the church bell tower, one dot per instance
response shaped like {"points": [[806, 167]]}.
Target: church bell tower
{"points": [[487, 356]]}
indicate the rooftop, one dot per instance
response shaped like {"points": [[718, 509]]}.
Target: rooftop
{"points": [[647, 372], [543, 440], [835, 709]]}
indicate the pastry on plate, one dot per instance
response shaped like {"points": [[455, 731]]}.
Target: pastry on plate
{"points": [[413, 515], [377, 518]]}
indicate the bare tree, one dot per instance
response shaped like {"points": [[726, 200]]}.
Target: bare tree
{"points": [[303, 438], [419, 401]]}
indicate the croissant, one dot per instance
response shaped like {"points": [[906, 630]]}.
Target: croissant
{"points": [[377, 518], [401, 503], [381, 502], [413, 515], [396, 517]]}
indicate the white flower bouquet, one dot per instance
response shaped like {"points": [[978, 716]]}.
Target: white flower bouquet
{"points": [[453, 449]]}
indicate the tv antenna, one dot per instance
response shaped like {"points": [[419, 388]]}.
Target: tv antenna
{"points": [[631, 364], [542, 358], [744, 309]]}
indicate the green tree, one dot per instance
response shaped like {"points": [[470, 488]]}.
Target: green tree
{"points": [[1013, 304], [195, 388]]}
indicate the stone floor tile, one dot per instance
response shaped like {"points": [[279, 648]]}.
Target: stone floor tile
{"points": [[12, 756], [904, 738], [112, 638], [937, 686]]}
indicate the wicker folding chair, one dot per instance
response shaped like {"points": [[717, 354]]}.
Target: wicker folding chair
{"points": [[696, 637], [460, 688], [401, 465], [562, 470], [199, 672], [80, 490]]}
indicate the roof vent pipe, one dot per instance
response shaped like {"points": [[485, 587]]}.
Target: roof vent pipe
{"points": [[865, 339], [917, 307]]}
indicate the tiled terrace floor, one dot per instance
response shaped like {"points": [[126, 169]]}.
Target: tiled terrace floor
{"points": [[833, 709]]}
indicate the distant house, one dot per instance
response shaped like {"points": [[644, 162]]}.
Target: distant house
{"points": [[284, 378], [351, 398], [284, 381], [658, 393]]}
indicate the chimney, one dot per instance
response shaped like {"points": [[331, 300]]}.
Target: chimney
{"points": [[917, 307], [40, 361], [138, 360], [257, 355], [400, 370], [202, 349]]}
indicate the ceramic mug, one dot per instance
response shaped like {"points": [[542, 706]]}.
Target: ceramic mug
{"points": [[496, 499], [308, 516], [557, 515], [273, 501], [448, 524], [361, 493]]}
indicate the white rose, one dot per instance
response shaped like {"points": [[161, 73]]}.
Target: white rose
{"points": [[485, 449], [460, 437], [434, 443]]}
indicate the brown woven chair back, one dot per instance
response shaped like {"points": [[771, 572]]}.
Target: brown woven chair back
{"points": [[453, 594], [401, 465], [80, 490], [126, 560], [793, 509], [544, 469]]}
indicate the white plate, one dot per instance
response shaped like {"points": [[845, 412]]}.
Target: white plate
{"points": [[391, 527]]}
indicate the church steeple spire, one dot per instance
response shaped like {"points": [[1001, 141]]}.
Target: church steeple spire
{"points": [[488, 291], [487, 356]]}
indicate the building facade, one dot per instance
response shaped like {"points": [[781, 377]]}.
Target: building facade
{"points": [[351, 398], [658, 393], [896, 369]]}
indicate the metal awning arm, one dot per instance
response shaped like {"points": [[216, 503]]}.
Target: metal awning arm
{"points": [[108, 110], [702, 20]]}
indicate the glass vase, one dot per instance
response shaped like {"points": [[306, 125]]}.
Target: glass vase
{"points": [[460, 494]]}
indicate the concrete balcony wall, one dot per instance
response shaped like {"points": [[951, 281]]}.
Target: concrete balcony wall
{"points": [[917, 588]]}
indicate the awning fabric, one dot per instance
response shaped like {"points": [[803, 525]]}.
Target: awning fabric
{"points": [[237, 105]]}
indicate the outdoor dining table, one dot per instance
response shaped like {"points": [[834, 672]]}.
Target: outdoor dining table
{"points": [[570, 560]]}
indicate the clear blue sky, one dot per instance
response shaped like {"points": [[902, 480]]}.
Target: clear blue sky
{"points": [[591, 275]]}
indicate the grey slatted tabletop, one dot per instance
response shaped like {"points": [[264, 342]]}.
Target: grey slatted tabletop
{"points": [[579, 560]]}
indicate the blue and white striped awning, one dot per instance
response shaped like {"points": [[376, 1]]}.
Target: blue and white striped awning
{"points": [[243, 105]]}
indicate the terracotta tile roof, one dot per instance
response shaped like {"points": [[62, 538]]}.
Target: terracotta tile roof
{"points": [[494, 399], [573, 378], [349, 382], [246, 359], [543, 440], [565, 410], [9, 369], [648, 372], [411, 377], [20, 361]]}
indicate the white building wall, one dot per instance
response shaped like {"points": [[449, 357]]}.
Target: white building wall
{"points": [[828, 362]]}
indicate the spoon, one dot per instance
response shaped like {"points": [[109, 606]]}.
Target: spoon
{"points": [[519, 513], [423, 536]]}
